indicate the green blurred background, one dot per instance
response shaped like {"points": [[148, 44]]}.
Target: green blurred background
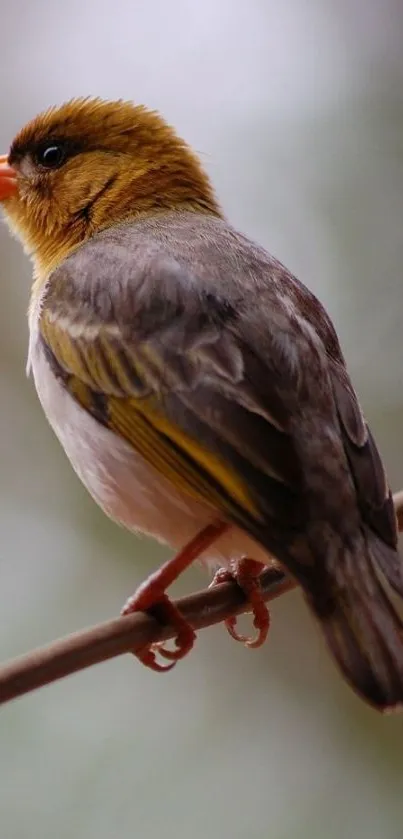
{"points": [[296, 109]]}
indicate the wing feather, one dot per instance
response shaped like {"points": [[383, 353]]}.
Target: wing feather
{"points": [[373, 493], [172, 368], [189, 400]]}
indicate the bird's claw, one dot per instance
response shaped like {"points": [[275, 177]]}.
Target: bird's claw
{"points": [[151, 597], [246, 573], [165, 612]]}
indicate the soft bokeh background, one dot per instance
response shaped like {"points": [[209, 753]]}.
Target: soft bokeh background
{"points": [[296, 109]]}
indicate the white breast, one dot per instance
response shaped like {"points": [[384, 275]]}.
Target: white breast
{"points": [[120, 480]]}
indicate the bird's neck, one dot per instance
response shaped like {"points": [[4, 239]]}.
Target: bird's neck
{"points": [[178, 184], [152, 187]]}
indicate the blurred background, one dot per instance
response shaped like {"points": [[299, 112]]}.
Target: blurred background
{"points": [[296, 109]]}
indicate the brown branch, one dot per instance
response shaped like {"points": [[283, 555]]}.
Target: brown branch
{"points": [[125, 634], [122, 635]]}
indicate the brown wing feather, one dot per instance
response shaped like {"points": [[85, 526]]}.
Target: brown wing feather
{"points": [[190, 381], [373, 493], [365, 462]]}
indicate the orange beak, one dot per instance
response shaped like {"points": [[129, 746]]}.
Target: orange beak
{"points": [[8, 179]]}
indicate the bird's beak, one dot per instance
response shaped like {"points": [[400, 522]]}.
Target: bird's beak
{"points": [[8, 179]]}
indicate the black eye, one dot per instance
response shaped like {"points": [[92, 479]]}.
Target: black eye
{"points": [[51, 156]]}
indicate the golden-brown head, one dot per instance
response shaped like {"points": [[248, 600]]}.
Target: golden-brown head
{"points": [[89, 164]]}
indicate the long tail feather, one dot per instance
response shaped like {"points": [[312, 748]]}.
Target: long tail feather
{"points": [[361, 625]]}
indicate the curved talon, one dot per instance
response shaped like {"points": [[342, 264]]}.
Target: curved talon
{"points": [[147, 657], [183, 648], [245, 572], [252, 642], [183, 641]]}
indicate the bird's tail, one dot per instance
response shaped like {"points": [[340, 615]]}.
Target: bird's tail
{"points": [[361, 625]]}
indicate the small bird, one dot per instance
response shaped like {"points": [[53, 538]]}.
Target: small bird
{"points": [[198, 389]]}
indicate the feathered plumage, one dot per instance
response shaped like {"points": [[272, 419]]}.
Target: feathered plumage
{"points": [[189, 375]]}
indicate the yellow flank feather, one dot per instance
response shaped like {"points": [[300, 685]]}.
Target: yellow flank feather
{"points": [[223, 475], [158, 451]]}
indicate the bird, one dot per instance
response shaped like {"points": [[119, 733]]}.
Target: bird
{"points": [[197, 387]]}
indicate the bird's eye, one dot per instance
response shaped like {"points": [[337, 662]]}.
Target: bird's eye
{"points": [[51, 156]]}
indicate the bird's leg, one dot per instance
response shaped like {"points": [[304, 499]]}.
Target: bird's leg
{"points": [[246, 572], [151, 597]]}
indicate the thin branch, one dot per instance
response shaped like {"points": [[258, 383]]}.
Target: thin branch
{"points": [[126, 634]]}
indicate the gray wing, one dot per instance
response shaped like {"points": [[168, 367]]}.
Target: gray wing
{"points": [[236, 375]]}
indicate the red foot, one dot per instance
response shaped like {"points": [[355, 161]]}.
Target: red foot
{"points": [[164, 611], [151, 597], [245, 572]]}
